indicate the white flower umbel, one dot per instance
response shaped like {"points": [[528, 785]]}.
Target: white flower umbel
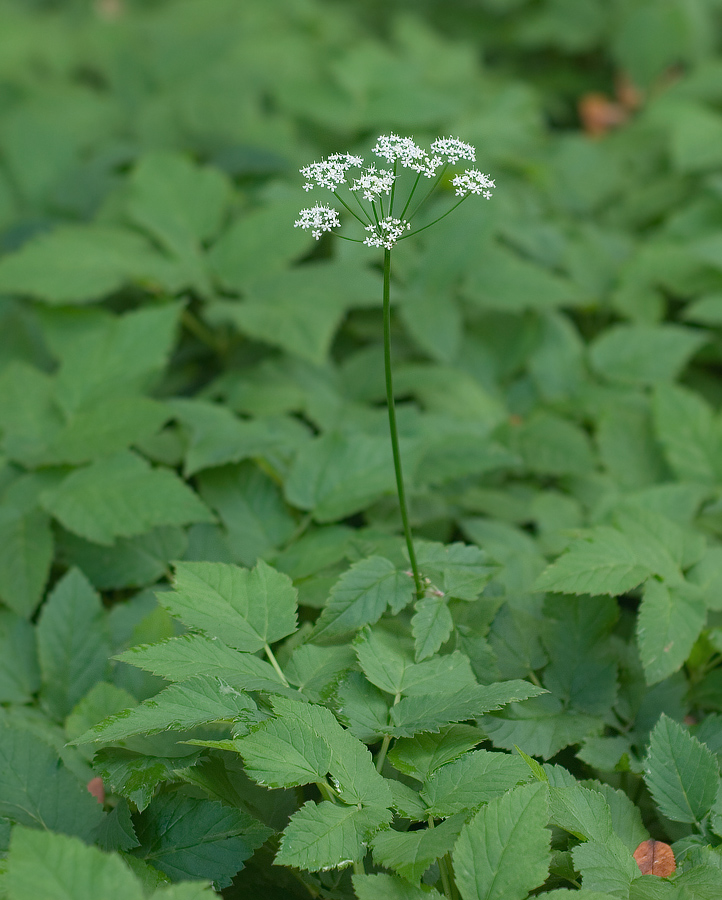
{"points": [[373, 182], [473, 182], [331, 172], [453, 149], [318, 218], [378, 198], [386, 233]]}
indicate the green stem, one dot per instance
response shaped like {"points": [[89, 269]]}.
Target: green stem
{"points": [[446, 882], [274, 662], [392, 425], [382, 752], [450, 210]]}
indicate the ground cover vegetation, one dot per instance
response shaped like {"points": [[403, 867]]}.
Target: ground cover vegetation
{"points": [[216, 672]]}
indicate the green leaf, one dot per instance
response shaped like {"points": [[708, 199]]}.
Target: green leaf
{"points": [[246, 608], [313, 670], [606, 867], [670, 621], [326, 836], [109, 356], [372, 887], [188, 838], [56, 867], [681, 773], [504, 851], [73, 643], [351, 766], [77, 264], [19, 672], [37, 790], [26, 553], [581, 812], [460, 570], [431, 625], [551, 445], [196, 701], [690, 435], [432, 711], [251, 508], [136, 776], [475, 778], [336, 475], [605, 563], [541, 727], [362, 707], [116, 831], [130, 562], [180, 204], [410, 853], [626, 817], [300, 308], [644, 354], [257, 243], [361, 596], [122, 496], [219, 437], [423, 754], [180, 658], [280, 753]]}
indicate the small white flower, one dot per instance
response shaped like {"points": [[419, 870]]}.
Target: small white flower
{"points": [[319, 218], [373, 182], [386, 233], [331, 172], [453, 149], [473, 182], [393, 147]]}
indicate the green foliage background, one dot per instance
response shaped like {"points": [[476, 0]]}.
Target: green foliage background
{"points": [[186, 380]]}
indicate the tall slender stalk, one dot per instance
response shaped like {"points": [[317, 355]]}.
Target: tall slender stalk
{"points": [[392, 425]]}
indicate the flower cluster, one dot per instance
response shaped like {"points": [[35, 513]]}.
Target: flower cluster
{"points": [[473, 182], [319, 218], [378, 186], [386, 233], [331, 172], [373, 182]]}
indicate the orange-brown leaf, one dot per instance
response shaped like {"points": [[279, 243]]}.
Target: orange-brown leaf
{"points": [[655, 858]]}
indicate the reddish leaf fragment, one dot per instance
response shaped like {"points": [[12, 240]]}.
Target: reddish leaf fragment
{"points": [[655, 858], [97, 789]]}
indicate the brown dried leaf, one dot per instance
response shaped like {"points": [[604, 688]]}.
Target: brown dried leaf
{"points": [[655, 858], [599, 114]]}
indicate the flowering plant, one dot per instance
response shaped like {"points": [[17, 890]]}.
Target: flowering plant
{"points": [[374, 192]]}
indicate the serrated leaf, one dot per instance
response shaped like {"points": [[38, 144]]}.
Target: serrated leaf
{"points": [[475, 778], [56, 867], [541, 727], [605, 563], [245, 608], [608, 867], [326, 836], [188, 838], [432, 711], [689, 433], [361, 596], [281, 753], [180, 658], [19, 672], [196, 701], [116, 831], [122, 496], [431, 626], [26, 553], [314, 669], [504, 851], [581, 812], [463, 568], [37, 790], [362, 707], [681, 773], [644, 354], [136, 776], [337, 475], [73, 643], [410, 853], [424, 753], [351, 766], [371, 887], [670, 621]]}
